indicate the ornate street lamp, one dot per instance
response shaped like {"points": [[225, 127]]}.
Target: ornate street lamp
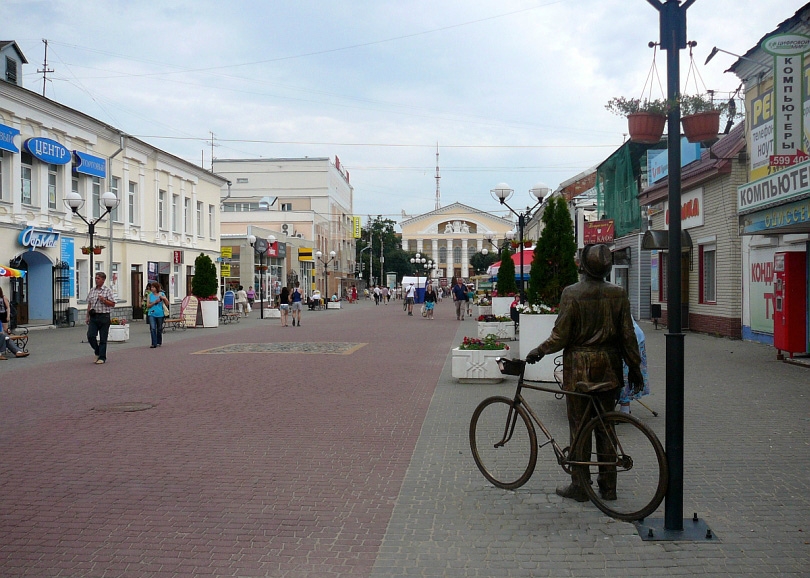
{"points": [[502, 193], [332, 257], [75, 202], [260, 247]]}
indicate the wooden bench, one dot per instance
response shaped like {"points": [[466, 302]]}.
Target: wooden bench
{"points": [[174, 324], [20, 338], [230, 315]]}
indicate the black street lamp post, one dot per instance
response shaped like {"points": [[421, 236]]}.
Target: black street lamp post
{"points": [[75, 202], [332, 257], [503, 192], [260, 247]]}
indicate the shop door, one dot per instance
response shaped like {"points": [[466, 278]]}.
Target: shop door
{"points": [[136, 286], [19, 301]]}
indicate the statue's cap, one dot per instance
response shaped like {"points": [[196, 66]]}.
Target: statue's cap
{"points": [[597, 261]]}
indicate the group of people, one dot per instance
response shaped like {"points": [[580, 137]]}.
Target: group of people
{"points": [[290, 305], [6, 343]]}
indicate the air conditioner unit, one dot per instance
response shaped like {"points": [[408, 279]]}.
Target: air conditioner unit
{"points": [[287, 229], [299, 235]]}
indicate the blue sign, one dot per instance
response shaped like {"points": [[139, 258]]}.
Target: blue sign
{"points": [[89, 165], [67, 255], [47, 150], [7, 135], [38, 238], [658, 164], [776, 218]]}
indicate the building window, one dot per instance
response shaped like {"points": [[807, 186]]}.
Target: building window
{"points": [[115, 279], [96, 197], [211, 222], [242, 181], [442, 254], [11, 70], [175, 213], [132, 201], [456, 254], [115, 188], [471, 250], [176, 282], [708, 274], [199, 219], [286, 206], [161, 209], [187, 216], [53, 175], [26, 175]]}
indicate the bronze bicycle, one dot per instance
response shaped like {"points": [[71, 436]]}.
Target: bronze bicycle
{"points": [[504, 445]]}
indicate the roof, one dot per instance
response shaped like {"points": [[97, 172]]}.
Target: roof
{"points": [[6, 43], [715, 160]]}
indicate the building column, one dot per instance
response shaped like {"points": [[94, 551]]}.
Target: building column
{"points": [[419, 245], [479, 245], [435, 249], [449, 272], [465, 259]]}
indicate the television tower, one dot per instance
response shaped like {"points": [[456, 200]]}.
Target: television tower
{"points": [[438, 195]]}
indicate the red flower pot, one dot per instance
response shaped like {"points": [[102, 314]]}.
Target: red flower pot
{"points": [[85, 250], [645, 127], [701, 126], [97, 250]]}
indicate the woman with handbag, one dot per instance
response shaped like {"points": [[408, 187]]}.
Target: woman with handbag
{"points": [[158, 310]]}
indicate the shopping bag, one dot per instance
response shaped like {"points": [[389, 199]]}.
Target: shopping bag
{"points": [[424, 311]]}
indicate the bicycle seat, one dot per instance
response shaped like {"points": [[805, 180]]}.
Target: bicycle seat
{"points": [[593, 387]]}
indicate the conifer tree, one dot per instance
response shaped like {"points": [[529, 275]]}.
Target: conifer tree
{"points": [[553, 266], [506, 274]]}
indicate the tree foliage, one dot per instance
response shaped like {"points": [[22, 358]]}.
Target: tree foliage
{"points": [[554, 266], [506, 274], [395, 259], [480, 262], [204, 284]]}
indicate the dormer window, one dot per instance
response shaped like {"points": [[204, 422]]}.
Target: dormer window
{"points": [[11, 70]]}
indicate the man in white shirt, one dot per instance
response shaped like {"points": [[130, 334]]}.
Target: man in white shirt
{"points": [[409, 296]]}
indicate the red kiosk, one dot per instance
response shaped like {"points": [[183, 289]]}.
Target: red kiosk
{"points": [[790, 293]]}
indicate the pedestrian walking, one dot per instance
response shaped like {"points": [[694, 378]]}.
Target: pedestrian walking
{"points": [[284, 305], [242, 301], [409, 296], [470, 298], [251, 296], [156, 314], [384, 296], [99, 305], [459, 298], [430, 301], [295, 304], [353, 298]]}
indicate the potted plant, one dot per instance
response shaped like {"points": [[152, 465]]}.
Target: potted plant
{"points": [[97, 249], [501, 326], [700, 116], [645, 118], [87, 250], [204, 288], [474, 360], [553, 269], [119, 330]]}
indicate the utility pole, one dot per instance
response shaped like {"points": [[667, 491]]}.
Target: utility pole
{"points": [[45, 70], [438, 196]]}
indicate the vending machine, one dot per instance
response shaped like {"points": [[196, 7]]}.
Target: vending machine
{"points": [[790, 311]]}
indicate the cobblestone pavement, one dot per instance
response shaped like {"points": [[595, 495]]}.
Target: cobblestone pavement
{"points": [[304, 462]]}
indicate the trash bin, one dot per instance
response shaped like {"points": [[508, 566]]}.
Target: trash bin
{"points": [[72, 316]]}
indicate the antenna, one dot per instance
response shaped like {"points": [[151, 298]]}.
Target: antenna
{"points": [[45, 70], [438, 195], [213, 144]]}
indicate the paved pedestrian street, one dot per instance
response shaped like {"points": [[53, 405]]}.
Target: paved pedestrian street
{"points": [[340, 448]]}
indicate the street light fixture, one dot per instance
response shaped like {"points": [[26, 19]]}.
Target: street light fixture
{"points": [[418, 261], [502, 193], [75, 202], [332, 257], [260, 247]]}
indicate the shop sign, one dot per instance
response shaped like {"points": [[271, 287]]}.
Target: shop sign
{"points": [[225, 270], [791, 214], [305, 254], [7, 135], [356, 228], [90, 165], [658, 161], [38, 238], [178, 257], [226, 252], [691, 210], [596, 232], [788, 52], [47, 150], [780, 186]]}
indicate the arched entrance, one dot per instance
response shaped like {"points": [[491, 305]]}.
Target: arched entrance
{"points": [[32, 295]]}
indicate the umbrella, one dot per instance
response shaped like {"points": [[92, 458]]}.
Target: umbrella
{"points": [[528, 255], [9, 272]]}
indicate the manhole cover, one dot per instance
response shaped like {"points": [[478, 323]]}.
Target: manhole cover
{"points": [[125, 407]]}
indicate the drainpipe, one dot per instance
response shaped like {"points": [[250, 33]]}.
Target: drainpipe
{"points": [[121, 143]]}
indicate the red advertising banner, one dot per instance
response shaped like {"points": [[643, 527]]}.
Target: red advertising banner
{"points": [[596, 232], [178, 257]]}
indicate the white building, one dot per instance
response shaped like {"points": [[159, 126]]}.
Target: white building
{"points": [[168, 211], [308, 202]]}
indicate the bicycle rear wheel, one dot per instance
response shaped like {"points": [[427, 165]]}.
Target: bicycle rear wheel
{"points": [[631, 461], [503, 442]]}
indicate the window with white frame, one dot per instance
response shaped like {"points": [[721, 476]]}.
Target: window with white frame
{"points": [[286, 206], [161, 209], [115, 188], [115, 280], [176, 282], [708, 273], [96, 184], [27, 164], [212, 222], [175, 213], [456, 254], [199, 219], [187, 216], [53, 178], [132, 202]]}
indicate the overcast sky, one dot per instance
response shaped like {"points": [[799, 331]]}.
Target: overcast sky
{"points": [[512, 91]]}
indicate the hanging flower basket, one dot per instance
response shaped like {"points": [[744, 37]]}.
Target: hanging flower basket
{"points": [[97, 249], [646, 127], [701, 126], [86, 250]]}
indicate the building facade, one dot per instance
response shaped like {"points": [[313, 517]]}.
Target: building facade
{"points": [[168, 211]]}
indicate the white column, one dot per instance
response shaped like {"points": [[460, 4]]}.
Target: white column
{"points": [[479, 245], [449, 272], [465, 259], [419, 245], [435, 249]]}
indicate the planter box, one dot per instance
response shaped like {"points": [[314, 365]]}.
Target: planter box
{"points": [[500, 305], [477, 366], [333, 305], [272, 314], [501, 329], [119, 333], [479, 310], [534, 330], [210, 313]]}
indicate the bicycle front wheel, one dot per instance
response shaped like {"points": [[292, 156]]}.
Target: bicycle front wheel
{"points": [[625, 471], [503, 442]]}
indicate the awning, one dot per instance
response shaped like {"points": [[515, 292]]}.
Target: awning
{"points": [[657, 239], [9, 272]]}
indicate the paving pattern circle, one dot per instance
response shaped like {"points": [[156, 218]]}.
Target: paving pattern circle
{"points": [[293, 347]]}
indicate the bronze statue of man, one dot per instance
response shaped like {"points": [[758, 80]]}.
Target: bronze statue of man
{"points": [[595, 329]]}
